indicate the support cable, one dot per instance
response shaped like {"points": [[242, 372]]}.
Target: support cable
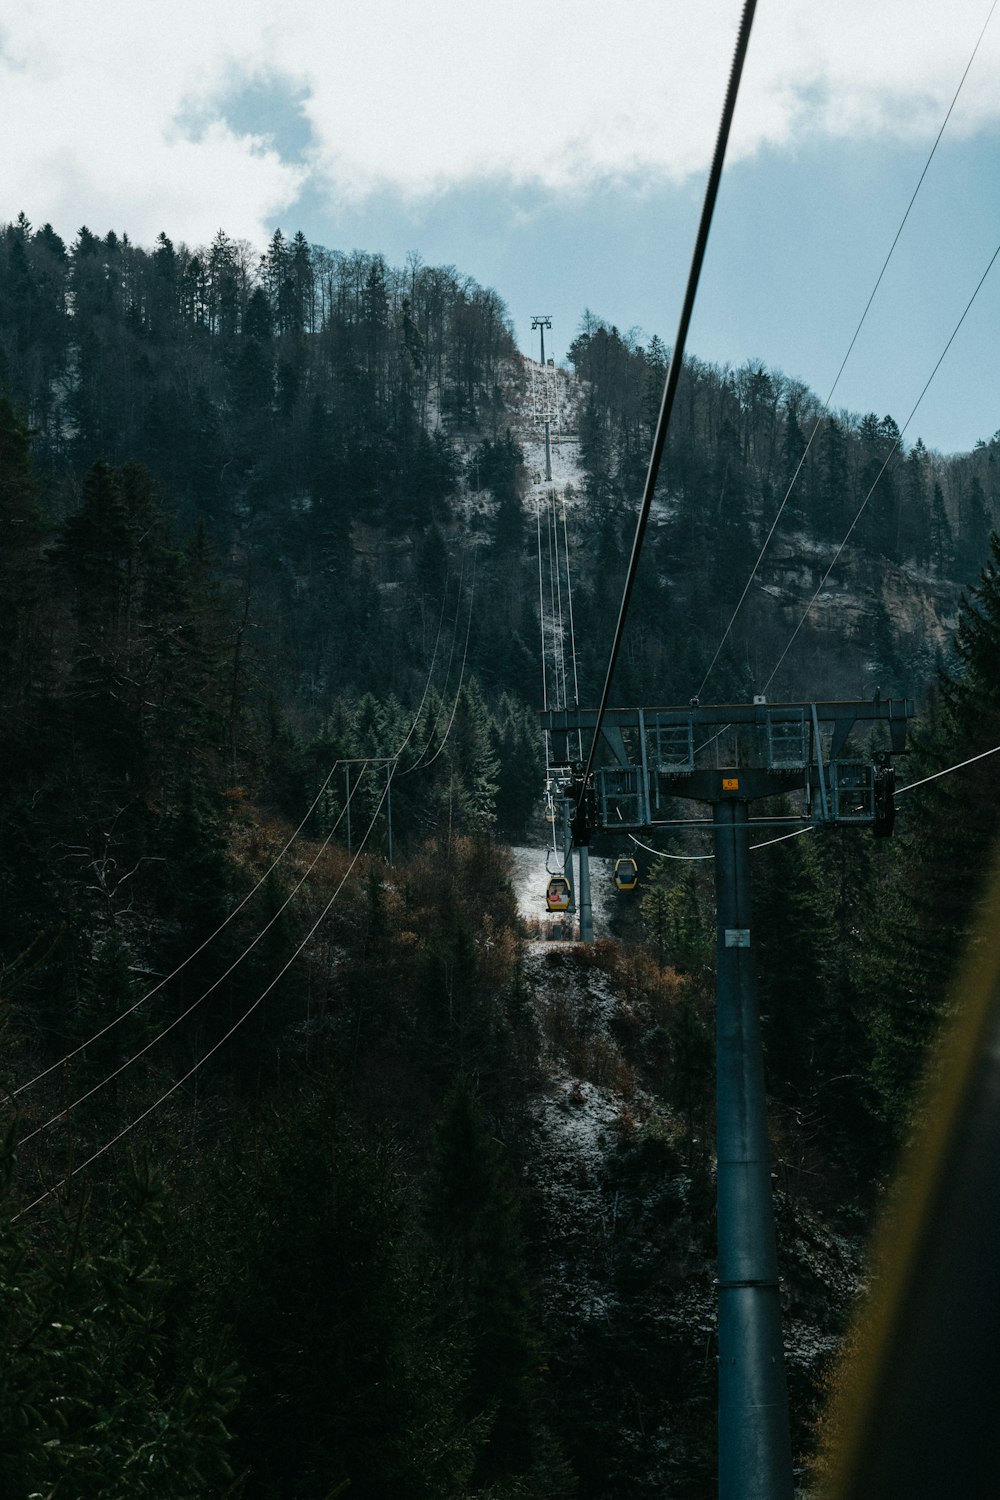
{"points": [[822, 583], [572, 630], [430, 671], [553, 613], [223, 1039], [541, 620], [798, 832], [423, 764], [546, 737], [23, 1088], [676, 360], [391, 760], [64, 1113], [558, 638], [123, 1015], [447, 677], [947, 772], [562, 627], [850, 348]]}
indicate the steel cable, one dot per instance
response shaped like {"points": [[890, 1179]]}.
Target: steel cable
{"points": [[223, 1039], [850, 348], [676, 361]]}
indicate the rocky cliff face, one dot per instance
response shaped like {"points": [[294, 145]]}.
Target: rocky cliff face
{"points": [[871, 623]]}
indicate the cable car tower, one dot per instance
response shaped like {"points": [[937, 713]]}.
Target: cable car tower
{"points": [[730, 757], [542, 321]]}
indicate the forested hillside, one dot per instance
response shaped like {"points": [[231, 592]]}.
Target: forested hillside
{"points": [[399, 1207]]}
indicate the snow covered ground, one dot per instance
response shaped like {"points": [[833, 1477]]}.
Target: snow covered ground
{"points": [[531, 878]]}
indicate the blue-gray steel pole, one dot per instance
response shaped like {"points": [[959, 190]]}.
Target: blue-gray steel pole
{"points": [[755, 1460], [567, 865], [586, 909]]}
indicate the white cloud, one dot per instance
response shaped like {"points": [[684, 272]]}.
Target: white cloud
{"points": [[419, 97]]}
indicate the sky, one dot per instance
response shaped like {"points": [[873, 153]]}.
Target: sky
{"points": [[557, 150]]}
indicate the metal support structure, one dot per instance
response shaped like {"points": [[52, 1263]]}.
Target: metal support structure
{"points": [[750, 750], [390, 766], [567, 868], [586, 908], [541, 322], [347, 805], [755, 1458]]}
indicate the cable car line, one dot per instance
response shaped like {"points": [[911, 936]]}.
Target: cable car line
{"points": [[555, 611], [421, 764], [22, 1088], [430, 670], [947, 772], [321, 850], [797, 833], [148, 995], [223, 1039], [393, 760], [850, 348], [550, 807], [822, 583], [447, 676], [561, 640], [541, 616], [572, 630], [674, 368]]}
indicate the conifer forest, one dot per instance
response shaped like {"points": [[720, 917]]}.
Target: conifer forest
{"points": [[323, 1175]]}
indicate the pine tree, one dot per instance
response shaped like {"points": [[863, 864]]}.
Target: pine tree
{"points": [[473, 1221], [941, 541], [916, 922], [22, 574], [107, 1391], [350, 1386]]}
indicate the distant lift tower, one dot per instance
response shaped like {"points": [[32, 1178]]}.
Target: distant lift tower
{"points": [[729, 757], [541, 322]]}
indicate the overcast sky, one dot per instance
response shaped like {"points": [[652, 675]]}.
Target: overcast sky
{"points": [[558, 152]]}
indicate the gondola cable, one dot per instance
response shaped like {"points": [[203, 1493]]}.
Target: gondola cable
{"points": [[23, 1088], [558, 570], [321, 850], [850, 348], [861, 509], [167, 978], [430, 670], [222, 1040], [549, 799], [798, 832], [422, 764], [572, 630], [392, 762], [673, 371], [447, 676]]}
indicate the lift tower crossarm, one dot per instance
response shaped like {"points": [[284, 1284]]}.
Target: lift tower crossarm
{"points": [[842, 715]]}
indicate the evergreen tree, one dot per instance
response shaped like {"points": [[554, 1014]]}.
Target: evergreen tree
{"points": [[350, 1387], [974, 528], [940, 541], [473, 1220], [107, 1390], [22, 581], [917, 923]]}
